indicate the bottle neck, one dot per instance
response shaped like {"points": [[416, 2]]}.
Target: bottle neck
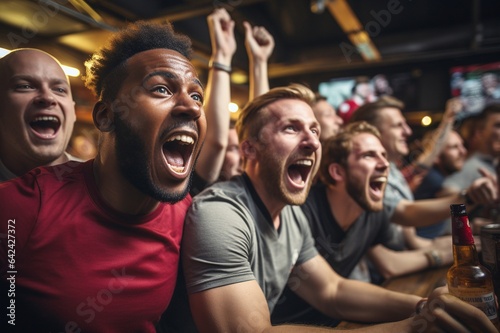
{"points": [[464, 250], [465, 255]]}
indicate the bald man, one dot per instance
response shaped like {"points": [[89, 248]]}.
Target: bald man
{"points": [[37, 112]]}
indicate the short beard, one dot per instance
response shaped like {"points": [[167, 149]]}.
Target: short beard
{"points": [[135, 166], [357, 194], [273, 173], [448, 168]]}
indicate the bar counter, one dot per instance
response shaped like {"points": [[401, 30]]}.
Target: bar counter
{"points": [[420, 283]]}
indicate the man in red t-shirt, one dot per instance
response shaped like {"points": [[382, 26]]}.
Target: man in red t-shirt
{"points": [[94, 246]]}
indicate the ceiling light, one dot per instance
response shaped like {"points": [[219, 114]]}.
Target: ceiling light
{"points": [[233, 107], [3, 52], [239, 77], [317, 6], [426, 121], [70, 71]]}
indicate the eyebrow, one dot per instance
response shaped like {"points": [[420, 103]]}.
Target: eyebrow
{"points": [[170, 76]]}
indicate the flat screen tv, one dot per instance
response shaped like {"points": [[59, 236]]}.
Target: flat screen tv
{"points": [[400, 85], [476, 85]]}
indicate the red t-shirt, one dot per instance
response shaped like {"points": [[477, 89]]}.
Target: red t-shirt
{"points": [[81, 266]]}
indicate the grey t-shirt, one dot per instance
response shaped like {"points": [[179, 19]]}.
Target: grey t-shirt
{"points": [[229, 238], [462, 179], [397, 188]]}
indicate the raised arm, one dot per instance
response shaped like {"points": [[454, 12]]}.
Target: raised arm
{"points": [[218, 95], [259, 44], [433, 146]]}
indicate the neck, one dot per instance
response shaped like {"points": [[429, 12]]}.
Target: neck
{"points": [[343, 207], [272, 204], [443, 170], [117, 191]]}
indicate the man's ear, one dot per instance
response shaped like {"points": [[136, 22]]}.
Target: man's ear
{"points": [[103, 117], [248, 150], [337, 172]]}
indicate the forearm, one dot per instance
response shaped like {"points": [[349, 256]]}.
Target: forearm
{"points": [[259, 82], [421, 213], [391, 263], [397, 327], [413, 241], [360, 301], [211, 156], [435, 145]]}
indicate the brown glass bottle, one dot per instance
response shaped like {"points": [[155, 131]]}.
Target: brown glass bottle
{"points": [[467, 278]]}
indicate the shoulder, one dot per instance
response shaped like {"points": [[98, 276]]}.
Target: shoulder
{"points": [[45, 177], [395, 175], [231, 193], [382, 217], [223, 205]]}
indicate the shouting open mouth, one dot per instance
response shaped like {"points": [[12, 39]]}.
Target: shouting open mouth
{"points": [[377, 185], [178, 152], [299, 171], [45, 127]]}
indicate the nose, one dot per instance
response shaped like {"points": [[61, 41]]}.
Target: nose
{"points": [[383, 163], [310, 141], [407, 130], [338, 120], [463, 150], [187, 107], [45, 98]]}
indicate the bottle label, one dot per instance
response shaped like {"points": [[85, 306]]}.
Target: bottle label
{"points": [[485, 302], [461, 231]]}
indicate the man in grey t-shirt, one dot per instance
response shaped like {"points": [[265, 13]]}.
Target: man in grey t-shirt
{"points": [[245, 238]]}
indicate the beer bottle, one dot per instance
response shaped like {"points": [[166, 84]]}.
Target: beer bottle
{"points": [[467, 278]]}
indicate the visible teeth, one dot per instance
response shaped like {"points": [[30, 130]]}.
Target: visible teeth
{"points": [[178, 169], [185, 139], [304, 162], [47, 118], [380, 179]]}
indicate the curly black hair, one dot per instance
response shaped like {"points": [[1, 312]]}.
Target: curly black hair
{"points": [[106, 69]]}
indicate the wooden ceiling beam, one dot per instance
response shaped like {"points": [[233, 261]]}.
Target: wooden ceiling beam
{"points": [[354, 30]]}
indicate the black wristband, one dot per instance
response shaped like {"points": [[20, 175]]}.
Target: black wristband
{"points": [[219, 66]]}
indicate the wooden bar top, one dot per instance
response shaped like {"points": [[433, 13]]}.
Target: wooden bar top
{"points": [[420, 283]]}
